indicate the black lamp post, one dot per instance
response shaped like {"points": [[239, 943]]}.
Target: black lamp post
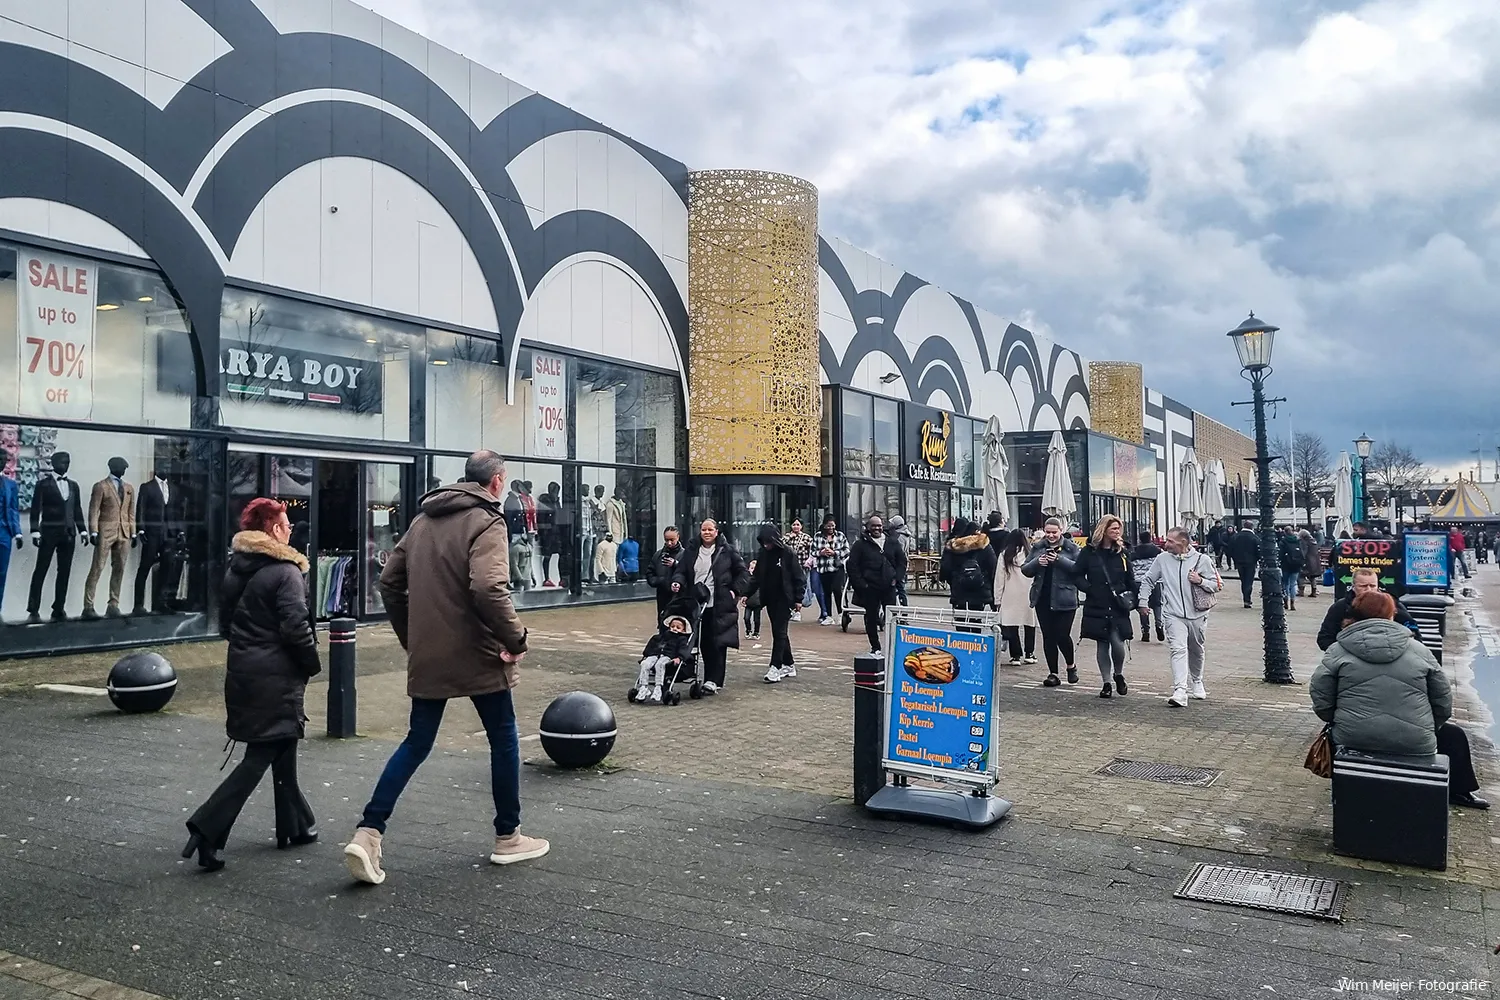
{"points": [[1363, 447], [1252, 341]]}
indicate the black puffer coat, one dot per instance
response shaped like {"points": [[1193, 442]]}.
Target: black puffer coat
{"points": [[272, 652], [721, 623], [1101, 573], [968, 568]]}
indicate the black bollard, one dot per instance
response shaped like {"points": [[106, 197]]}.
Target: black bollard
{"points": [[869, 705], [341, 703]]}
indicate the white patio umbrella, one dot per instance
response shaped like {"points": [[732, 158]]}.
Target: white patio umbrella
{"points": [[1213, 494], [1057, 488], [1343, 495], [1190, 490], [996, 468]]}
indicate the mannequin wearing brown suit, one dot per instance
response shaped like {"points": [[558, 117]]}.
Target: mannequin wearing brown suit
{"points": [[112, 525]]}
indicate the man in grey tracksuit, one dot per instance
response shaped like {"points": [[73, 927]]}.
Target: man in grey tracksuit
{"points": [[1179, 571]]}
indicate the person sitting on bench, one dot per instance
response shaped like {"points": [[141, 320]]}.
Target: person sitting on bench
{"points": [[1385, 694]]}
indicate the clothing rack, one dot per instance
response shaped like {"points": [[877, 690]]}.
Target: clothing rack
{"points": [[337, 584]]}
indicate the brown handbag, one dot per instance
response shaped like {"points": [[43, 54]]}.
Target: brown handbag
{"points": [[1320, 755]]}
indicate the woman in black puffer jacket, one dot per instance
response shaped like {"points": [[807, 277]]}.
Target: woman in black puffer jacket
{"points": [[272, 654]]}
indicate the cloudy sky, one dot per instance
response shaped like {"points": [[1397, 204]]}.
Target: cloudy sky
{"points": [[1130, 178]]}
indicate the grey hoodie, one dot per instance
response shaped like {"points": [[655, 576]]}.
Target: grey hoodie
{"points": [[1382, 690], [1171, 573]]}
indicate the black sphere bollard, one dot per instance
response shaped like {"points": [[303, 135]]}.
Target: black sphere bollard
{"points": [[141, 682], [578, 729]]}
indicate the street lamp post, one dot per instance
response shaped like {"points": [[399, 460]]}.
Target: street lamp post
{"points": [[1252, 341], [1362, 447]]}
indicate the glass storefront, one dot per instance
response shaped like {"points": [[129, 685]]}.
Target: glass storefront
{"points": [[347, 417]]}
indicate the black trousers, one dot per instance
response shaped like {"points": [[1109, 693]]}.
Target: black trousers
{"points": [[1247, 582], [875, 605], [59, 543], [781, 638], [1454, 742], [294, 817], [156, 552], [715, 656], [1012, 635], [1057, 635]]}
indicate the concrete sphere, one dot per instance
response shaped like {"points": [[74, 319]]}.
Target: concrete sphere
{"points": [[578, 729], [142, 682]]}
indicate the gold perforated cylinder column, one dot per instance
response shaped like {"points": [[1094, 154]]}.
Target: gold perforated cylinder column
{"points": [[756, 403], [1117, 399]]}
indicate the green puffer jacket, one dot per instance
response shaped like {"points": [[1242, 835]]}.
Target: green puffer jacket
{"points": [[1382, 690]]}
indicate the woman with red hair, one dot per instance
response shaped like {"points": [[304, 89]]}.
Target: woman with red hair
{"points": [[272, 653]]}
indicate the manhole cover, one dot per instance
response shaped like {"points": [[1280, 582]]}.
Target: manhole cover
{"points": [[1279, 892], [1171, 774]]}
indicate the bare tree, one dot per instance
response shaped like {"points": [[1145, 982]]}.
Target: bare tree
{"points": [[1307, 457], [1394, 468]]}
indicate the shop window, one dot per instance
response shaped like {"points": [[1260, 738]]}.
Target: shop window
{"points": [[622, 515], [144, 575], [963, 453], [298, 368], [91, 340], [887, 452], [466, 407], [826, 436], [977, 443], [1145, 467], [858, 434], [1101, 465], [626, 415]]}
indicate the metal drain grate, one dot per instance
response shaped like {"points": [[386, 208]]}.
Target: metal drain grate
{"points": [[1278, 892], [1171, 774]]}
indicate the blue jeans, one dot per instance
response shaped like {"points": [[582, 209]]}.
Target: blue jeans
{"points": [[498, 713], [1289, 578]]}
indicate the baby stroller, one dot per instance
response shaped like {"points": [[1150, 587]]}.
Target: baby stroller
{"points": [[677, 639], [850, 608]]}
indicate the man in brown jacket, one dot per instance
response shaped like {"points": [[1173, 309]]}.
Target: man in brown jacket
{"points": [[447, 589]]}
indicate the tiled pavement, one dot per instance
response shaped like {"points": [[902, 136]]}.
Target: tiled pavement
{"points": [[657, 887], [1063, 900]]}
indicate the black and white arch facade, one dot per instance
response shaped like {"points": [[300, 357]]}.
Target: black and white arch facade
{"points": [[877, 320], [312, 145]]}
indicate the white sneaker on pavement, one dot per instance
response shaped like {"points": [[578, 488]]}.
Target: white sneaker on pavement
{"points": [[789, 672], [796, 616], [518, 847], [709, 687], [1178, 699], [655, 696], [773, 675], [1199, 692], [825, 620]]}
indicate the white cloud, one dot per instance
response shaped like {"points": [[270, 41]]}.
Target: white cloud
{"points": [[1134, 177]]}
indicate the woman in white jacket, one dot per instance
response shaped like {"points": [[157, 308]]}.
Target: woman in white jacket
{"points": [[1013, 598]]}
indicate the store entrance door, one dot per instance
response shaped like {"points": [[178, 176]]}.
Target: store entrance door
{"points": [[346, 513]]}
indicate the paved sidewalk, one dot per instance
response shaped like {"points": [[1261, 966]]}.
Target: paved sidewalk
{"points": [[657, 887], [797, 735]]}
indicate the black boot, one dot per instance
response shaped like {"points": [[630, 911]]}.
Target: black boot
{"points": [[1120, 685], [208, 857], [1051, 680], [301, 840], [1106, 692]]}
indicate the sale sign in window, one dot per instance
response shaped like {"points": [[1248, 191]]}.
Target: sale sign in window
{"points": [[55, 335], [549, 394]]}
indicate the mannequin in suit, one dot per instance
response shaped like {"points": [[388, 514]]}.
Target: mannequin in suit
{"points": [[56, 517], [10, 526], [515, 514], [546, 532], [112, 530], [156, 523]]}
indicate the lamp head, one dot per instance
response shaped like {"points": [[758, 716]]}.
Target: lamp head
{"points": [[1252, 341], [1363, 445]]}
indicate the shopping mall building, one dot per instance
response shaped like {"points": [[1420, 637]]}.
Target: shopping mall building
{"points": [[289, 248]]}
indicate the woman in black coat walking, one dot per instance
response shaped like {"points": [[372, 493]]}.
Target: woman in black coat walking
{"points": [[968, 567], [272, 653], [778, 583], [710, 561], [1104, 578]]}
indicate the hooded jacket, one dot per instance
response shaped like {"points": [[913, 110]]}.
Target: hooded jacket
{"points": [[1170, 572], [968, 567], [1064, 595], [1312, 558], [1289, 550], [272, 653], [1382, 690], [874, 567], [779, 580], [447, 589]]}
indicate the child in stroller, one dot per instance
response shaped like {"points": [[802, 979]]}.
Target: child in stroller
{"points": [[670, 655]]}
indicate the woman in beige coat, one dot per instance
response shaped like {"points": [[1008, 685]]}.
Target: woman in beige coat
{"points": [[1013, 598]]}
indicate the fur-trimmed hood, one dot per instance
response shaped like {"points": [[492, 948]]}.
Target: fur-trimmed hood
{"points": [[258, 543], [968, 543]]}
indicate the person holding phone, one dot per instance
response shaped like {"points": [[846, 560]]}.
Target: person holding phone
{"points": [[1054, 595]]}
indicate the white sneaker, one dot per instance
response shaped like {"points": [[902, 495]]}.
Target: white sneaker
{"points": [[1199, 692], [1014, 661], [788, 672], [825, 621], [709, 687], [655, 696], [773, 675], [1178, 699], [1028, 659], [796, 616]]}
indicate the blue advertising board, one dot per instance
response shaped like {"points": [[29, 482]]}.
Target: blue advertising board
{"points": [[941, 684], [1427, 560]]}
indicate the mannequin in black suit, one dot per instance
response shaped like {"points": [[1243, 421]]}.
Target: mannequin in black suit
{"points": [[56, 516], [156, 506]]}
